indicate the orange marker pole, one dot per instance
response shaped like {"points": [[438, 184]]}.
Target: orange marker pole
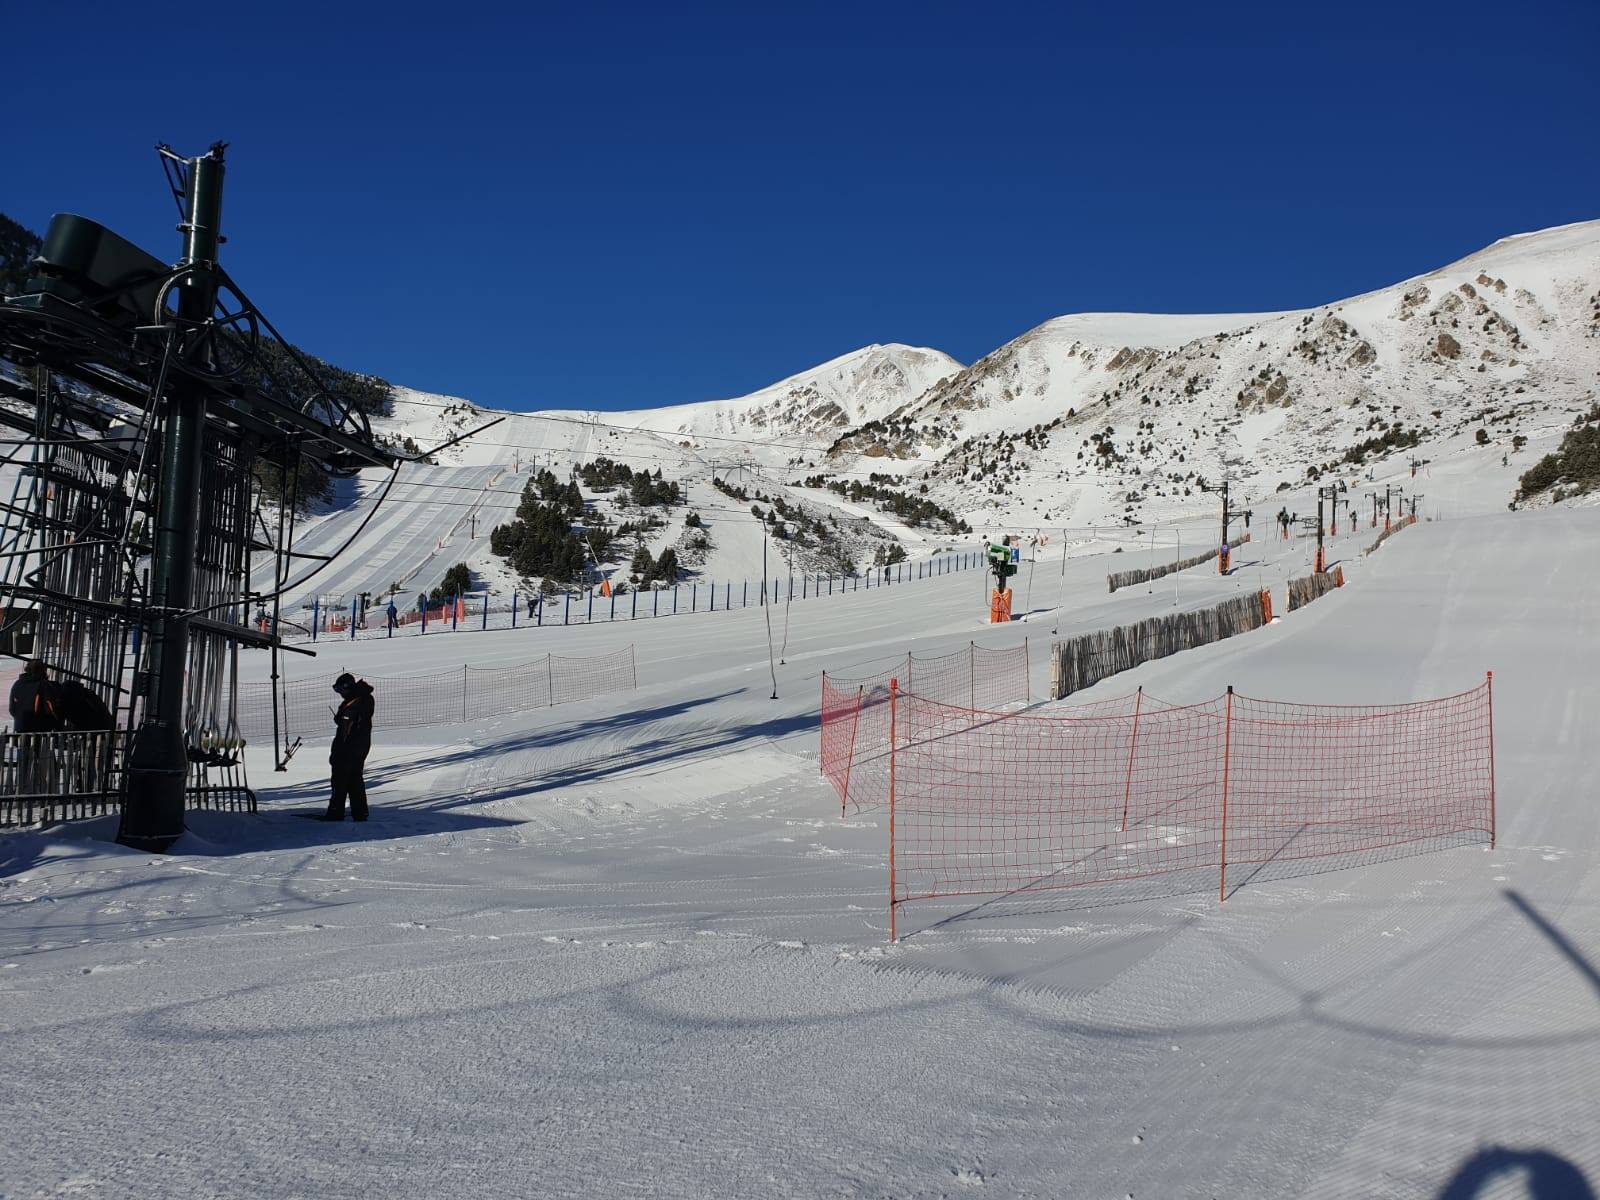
{"points": [[1489, 684], [894, 693], [1227, 754]]}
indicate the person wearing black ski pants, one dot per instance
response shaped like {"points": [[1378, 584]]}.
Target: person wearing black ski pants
{"points": [[352, 738]]}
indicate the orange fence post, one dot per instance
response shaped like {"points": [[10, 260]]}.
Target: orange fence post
{"points": [[1133, 745], [894, 691], [1227, 753], [1489, 684], [972, 675], [855, 724], [1266, 606]]}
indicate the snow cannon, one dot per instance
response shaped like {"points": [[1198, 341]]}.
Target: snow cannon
{"points": [[1004, 559]]}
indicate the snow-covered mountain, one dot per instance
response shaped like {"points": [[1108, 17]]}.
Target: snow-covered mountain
{"points": [[1088, 419], [819, 403], [1110, 415]]}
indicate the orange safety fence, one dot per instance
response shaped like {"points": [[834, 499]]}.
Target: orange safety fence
{"points": [[985, 802], [1310, 780], [855, 711]]}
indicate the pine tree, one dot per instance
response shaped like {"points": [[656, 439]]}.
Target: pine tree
{"points": [[18, 246]]}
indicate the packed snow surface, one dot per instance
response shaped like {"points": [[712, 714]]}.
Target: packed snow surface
{"points": [[630, 947]]}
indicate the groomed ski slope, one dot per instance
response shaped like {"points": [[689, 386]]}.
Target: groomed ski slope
{"points": [[629, 947]]}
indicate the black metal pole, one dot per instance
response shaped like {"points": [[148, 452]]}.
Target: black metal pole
{"points": [[1322, 561], [288, 502], [1222, 555], [766, 604], [277, 594], [158, 763]]}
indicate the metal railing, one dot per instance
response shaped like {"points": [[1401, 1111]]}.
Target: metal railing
{"points": [[58, 776]]}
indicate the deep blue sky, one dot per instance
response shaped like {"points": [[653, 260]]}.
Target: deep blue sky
{"points": [[620, 206]]}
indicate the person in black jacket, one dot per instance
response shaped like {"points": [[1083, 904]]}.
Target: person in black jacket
{"points": [[352, 738], [34, 701]]}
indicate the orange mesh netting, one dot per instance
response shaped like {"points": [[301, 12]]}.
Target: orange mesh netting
{"points": [[983, 801]]}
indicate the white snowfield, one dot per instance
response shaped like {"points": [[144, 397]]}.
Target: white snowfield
{"points": [[630, 948], [410, 528]]}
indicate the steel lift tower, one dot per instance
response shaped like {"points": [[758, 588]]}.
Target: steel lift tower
{"points": [[150, 411]]}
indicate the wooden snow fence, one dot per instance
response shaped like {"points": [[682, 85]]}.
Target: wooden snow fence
{"points": [[1122, 579], [1391, 531], [1080, 662], [1314, 586]]}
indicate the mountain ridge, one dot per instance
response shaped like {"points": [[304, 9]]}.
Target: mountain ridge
{"points": [[1103, 418]]}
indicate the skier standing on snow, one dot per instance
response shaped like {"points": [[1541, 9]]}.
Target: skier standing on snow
{"points": [[394, 616], [34, 709], [352, 739]]}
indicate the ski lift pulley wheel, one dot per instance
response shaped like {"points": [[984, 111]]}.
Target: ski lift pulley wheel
{"points": [[229, 355]]}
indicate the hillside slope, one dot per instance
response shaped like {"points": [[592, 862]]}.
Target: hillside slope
{"points": [[1088, 419], [1099, 417]]}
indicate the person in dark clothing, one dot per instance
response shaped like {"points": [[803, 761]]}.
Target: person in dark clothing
{"points": [[394, 616], [35, 701], [352, 738], [79, 708]]}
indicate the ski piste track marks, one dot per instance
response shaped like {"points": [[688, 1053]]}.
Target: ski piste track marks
{"points": [[498, 982], [402, 538]]}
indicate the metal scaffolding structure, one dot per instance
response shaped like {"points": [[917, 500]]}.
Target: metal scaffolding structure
{"points": [[142, 414]]}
